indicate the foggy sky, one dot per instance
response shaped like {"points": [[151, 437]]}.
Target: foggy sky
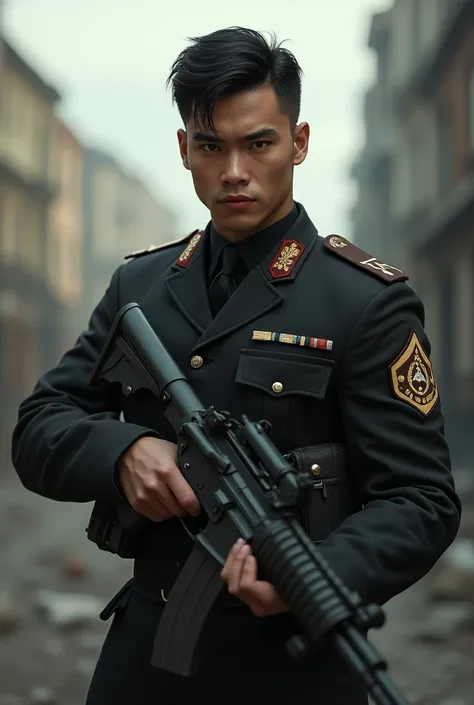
{"points": [[110, 59]]}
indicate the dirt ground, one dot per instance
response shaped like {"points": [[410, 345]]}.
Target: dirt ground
{"points": [[48, 647]]}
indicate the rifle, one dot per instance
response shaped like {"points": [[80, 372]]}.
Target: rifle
{"points": [[247, 489]]}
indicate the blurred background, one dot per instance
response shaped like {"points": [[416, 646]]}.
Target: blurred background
{"points": [[90, 171]]}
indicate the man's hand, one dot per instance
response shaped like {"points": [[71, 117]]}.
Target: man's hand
{"points": [[240, 575], [153, 483]]}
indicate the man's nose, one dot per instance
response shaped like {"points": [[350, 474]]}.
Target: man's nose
{"points": [[236, 171]]}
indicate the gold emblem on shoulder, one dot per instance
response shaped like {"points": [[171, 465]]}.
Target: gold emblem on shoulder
{"points": [[289, 253], [144, 251], [412, 377], [337, 242], [188, 251], [156, 248]]}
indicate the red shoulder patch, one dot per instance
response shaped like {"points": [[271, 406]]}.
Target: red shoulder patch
{"points": [[185, 256]]}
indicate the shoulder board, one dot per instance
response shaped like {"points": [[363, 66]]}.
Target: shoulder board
{"points": [[342, 247], [162, 246]]}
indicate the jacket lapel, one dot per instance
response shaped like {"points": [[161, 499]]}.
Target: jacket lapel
{"points": [[263, 289], [187, 285]]}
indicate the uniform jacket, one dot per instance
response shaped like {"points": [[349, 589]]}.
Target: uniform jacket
{"points": [[371, 387]]}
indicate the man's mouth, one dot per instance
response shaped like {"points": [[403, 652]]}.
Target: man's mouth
{"points": [[238, 201]]}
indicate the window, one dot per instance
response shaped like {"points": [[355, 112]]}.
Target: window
{"points": [[445, 151], [471, 110]]}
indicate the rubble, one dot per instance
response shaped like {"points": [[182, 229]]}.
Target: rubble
{"points": [[8, 699], [74, 567], [10, 617], [454, 576], [42, 696], [54, 640], [444, 621], [68, 610]]}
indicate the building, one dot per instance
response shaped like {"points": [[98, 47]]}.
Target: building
{"points": [[431, 194], [28, 183], [120, 215], [370, 214], [65, 239]]}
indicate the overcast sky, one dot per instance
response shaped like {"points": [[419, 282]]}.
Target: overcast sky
{"points": [[110, 59]]}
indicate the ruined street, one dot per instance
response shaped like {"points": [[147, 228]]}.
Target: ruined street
{"points": [[53, 583]]}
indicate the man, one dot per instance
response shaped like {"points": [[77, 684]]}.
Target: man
{"points": [[359, 375]]}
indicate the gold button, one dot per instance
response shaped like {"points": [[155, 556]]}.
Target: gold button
{"points": [[277, 387], [196, 361], [315, 470]]}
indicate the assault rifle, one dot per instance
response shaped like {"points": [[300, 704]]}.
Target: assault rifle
{"points": [[247, 489]]}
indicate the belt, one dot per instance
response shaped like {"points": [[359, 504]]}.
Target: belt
{"points": [[154, 579]]}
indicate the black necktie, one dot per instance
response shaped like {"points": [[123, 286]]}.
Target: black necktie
{"points": [[228, 277]]}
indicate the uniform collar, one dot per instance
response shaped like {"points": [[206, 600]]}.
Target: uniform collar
{"points": [[263, 289], [255, 248]]}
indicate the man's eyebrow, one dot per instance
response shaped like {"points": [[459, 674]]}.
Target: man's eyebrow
{"points": [[203, 137], [257, 135]]}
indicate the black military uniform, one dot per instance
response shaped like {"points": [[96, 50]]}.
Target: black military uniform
{"points": [[326, 343]]}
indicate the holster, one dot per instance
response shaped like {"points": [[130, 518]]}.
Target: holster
{"points": [[333, 498]]}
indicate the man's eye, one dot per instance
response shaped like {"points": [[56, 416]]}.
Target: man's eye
{"points": [[209, 147], [260, 144]]}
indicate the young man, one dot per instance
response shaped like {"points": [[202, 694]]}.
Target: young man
{"points": [[359, 376]]}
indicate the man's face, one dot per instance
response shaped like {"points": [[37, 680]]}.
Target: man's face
{"points": [[244, 172]]}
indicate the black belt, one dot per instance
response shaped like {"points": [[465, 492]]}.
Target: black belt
{"points": [[154, 579]]}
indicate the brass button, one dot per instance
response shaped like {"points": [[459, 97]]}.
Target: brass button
{"points": [[196, 361], [315, 470], [277, 387]]}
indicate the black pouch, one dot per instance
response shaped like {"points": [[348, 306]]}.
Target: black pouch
{"points": [[116, 529], [333, 498]]}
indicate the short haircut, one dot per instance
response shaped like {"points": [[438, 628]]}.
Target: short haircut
{"points": [[231, 61]]}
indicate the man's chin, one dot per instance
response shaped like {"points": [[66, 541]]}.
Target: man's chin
{"points": [[237, 219]]}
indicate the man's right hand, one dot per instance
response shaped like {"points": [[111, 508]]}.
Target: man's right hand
{"points": [[153, 483]]}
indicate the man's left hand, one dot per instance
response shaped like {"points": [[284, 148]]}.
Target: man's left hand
{"points": [[240, 575]]}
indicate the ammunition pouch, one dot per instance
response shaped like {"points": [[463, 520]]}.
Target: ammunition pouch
{"points": [[333, 499], [116, 528]]}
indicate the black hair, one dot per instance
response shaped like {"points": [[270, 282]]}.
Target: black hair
{"points": [[230, 61]]}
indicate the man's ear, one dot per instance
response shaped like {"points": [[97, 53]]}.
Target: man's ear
{"points": [[183, 147], [301, 143]]}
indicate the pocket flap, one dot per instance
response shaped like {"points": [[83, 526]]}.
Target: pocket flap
{"points": [[280, 374], [325, 461]]}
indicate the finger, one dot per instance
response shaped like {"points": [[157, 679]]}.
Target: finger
{"points": [[183, 492], [163, 497], [156, 512], [248, 575], [225, 572], [236, 570]]}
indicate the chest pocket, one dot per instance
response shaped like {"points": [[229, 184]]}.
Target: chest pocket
{"points": [[289, 386]]}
